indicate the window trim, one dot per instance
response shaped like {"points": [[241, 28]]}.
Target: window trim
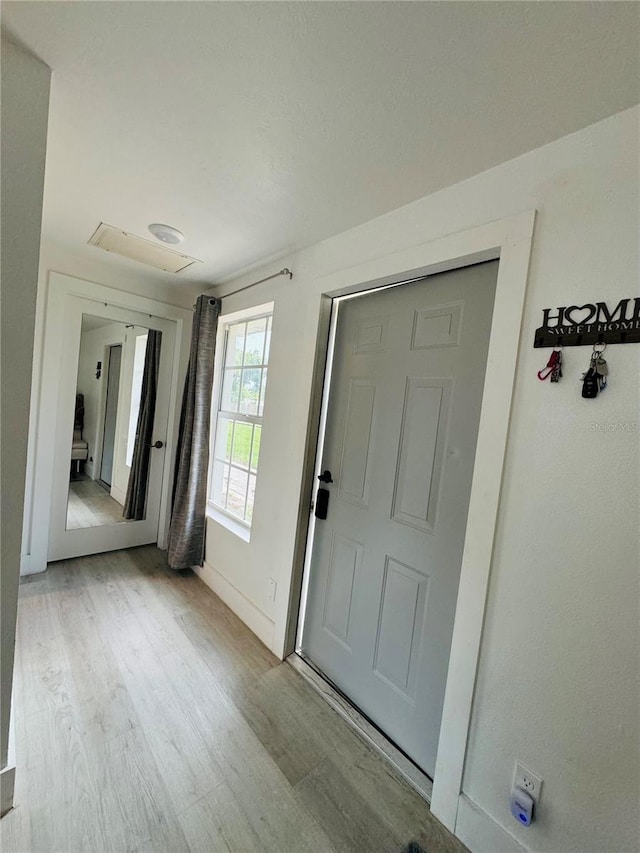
{"points": [[240, 527]]}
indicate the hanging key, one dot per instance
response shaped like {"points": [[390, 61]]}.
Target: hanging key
{"points": [[590, 382], [602, 370]]}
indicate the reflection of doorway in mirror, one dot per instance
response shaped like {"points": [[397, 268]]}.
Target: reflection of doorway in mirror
{"points": [[110, 414], [110, 396]]}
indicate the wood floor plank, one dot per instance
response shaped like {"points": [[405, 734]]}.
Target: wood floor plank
{"points": [[260, 788], [265, 796], [15, 831], [189, 770], [277, 718], [104, 702], [45, 673], [228, 652], [60, 789], [216, 824], [134, 800], [349, 820]]}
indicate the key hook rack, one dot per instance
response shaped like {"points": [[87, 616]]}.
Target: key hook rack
{"points": [[590, 324]]}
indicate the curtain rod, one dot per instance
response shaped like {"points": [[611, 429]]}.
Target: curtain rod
{"points": [[284, 271]]}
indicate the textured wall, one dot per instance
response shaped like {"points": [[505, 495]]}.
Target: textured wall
{"points": [[558, 679]]}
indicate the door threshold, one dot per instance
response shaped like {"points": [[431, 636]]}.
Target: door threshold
{"points": [[418, 780]]}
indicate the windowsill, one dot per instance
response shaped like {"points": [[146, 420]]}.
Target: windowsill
{"points": [[241, 530]]}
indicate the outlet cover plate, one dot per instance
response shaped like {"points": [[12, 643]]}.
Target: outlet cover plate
{"points": [[527, 779]]}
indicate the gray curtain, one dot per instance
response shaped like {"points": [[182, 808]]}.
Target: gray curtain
{"points": [[188, 517], [135, 502]]}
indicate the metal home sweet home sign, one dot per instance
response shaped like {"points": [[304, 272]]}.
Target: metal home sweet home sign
{"points": [[592, 323]]}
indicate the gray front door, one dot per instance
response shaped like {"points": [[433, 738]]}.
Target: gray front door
{"points": [[402, 422]]}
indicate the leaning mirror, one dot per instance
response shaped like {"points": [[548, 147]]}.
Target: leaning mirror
{"points": [[113, 422]]}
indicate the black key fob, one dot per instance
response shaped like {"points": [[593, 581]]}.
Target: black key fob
{"points": [[590, 384]]}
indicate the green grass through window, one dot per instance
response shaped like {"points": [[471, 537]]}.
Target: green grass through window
{"points": [[242, 445]]}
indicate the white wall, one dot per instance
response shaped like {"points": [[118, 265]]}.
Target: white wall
{"points": [[558, 679], [25, 109]]}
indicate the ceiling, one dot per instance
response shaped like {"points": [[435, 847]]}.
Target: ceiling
{"points": [[257, 128]]}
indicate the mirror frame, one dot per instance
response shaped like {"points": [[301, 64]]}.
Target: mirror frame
{"points": [[63, 292]]}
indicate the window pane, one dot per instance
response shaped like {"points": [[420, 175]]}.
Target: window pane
{"points": [[220, 481], [224, 438], [251, 496], [255, 341], [255, 453], [230, 391], [235, 344], [262, 392], [250, 391], [237, 492], [242, 444]]}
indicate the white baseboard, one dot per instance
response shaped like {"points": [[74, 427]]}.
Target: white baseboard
{"points": [[8, 772], [118, 495], [7, 786], [480, 832], [29, 567], [251, 615]]}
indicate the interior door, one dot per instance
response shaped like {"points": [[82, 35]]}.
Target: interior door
{"points": [[400, 438], [87, 518], [110, 413]]}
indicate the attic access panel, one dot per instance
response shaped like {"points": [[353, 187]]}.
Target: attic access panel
{"points": [[137, 249]]}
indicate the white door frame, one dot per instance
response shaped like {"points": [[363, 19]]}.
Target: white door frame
{"points": [[62, 291], [508, 240]]}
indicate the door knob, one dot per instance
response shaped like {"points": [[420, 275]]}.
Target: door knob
{"points": [[158, 444], [325, 477]]}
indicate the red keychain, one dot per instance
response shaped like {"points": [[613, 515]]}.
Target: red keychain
{"points": [[553, 368]]}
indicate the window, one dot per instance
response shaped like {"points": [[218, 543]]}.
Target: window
{"points": [[238, 431]]}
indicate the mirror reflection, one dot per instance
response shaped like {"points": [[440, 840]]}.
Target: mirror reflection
{"points": [[113, 423]]}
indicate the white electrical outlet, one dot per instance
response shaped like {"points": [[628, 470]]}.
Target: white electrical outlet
{"points": [[272, 589], [528, 781]]}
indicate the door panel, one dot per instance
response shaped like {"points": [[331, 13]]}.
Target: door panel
{"points": [[400, 437], [356, 445], [402, 609], [422, 441], [345, 558]]}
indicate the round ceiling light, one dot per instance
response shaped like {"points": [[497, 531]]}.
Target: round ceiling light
{"points": [[165, 233]]}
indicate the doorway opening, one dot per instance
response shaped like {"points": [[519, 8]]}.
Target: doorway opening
{"points": [[110, 414], [399, 422], [509, 240]]}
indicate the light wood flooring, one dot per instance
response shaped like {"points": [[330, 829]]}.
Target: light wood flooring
{"points": [[149, 718], [90, 505]]}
